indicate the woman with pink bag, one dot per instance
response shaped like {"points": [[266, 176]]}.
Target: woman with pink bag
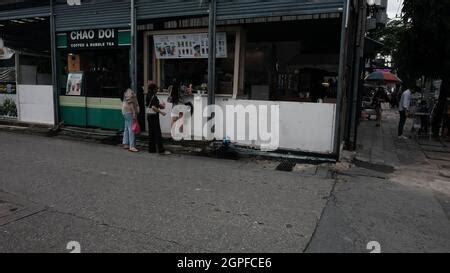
{"points": [[130, 110]]}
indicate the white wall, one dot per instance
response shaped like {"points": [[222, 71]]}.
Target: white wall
{"points": [[306, 127], [36, 104]]}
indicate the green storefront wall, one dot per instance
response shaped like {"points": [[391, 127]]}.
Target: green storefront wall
{"points": [[101, 118], [103, 113], [93, 112]]}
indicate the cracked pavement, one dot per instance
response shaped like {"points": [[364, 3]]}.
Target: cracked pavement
{"points": [[54, 191], [110, 200]]}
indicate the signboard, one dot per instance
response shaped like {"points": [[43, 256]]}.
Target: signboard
{"points": [[6, 53], [74, 2], [92, 38], [8, 88], [74, 84], [7, 74], [188, 46]]}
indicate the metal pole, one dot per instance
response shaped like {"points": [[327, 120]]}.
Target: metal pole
{"points": [[341, 85], [133, 51], [54, 64], [358, 75], [212, 53], [350, 137]]}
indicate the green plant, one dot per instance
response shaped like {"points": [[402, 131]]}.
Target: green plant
{"points": [[9, 108]]}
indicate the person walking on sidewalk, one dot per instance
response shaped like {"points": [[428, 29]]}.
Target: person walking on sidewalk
{"points": [[154, 109], [379, 98], [403, 108], [130, 111]]}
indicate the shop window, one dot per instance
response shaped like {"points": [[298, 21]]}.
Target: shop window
{"points": [[35, 70], [105, 73], [193, 69], [296, 61]]}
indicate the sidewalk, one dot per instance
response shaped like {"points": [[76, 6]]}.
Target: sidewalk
{"points": [[395, 194], [206, 148]]}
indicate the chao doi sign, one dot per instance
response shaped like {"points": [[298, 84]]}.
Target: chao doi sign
{"points": [[92, 38]]}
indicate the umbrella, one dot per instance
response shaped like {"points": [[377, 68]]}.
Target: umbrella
{"points": [[383, 76]]}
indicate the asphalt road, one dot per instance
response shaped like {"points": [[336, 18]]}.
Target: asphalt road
{"points": [[55, 191], [111, 200]]}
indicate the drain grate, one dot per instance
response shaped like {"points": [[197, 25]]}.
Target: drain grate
{"points": [[286, 166]]}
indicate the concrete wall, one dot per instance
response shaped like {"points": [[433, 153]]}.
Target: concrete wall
{"points": [[36, 104], [306, 127]]}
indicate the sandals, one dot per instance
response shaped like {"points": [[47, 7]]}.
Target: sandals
{"points": [[134, 150]]}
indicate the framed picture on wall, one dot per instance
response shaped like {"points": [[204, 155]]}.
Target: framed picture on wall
{"points": [[74, 84]]}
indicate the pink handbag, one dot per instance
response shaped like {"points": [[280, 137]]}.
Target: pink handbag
{"points": [[136, 127]]}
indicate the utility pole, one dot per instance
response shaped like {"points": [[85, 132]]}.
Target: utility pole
{"points": [[133, 50], [54, 65], [212, 63], [212, 53], [358, 75]]}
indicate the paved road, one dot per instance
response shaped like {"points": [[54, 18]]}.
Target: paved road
{"points": [[53, 191], [111, 200], [395, 196]]}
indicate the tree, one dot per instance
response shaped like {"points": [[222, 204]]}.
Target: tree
{"points": [[424, 47], [390, 37]]}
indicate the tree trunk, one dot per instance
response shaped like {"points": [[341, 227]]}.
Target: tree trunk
{"points": [[441, 107]]}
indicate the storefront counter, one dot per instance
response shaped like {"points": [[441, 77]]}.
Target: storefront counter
{"points": [[295, 126]]}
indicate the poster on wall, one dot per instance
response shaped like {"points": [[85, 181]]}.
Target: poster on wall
{"points": [[6, 53], [8, 105], [74, 84], [188, 46], [8, 88]]}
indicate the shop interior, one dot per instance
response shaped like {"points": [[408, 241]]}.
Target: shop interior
{"points": [[105, 71], [194, 71], [24, 59], [279, 61], [292, 61]]}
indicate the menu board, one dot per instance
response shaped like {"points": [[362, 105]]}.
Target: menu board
{"points": [[74, 84], [188, 46]]}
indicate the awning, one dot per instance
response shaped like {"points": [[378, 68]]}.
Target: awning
{"points": [[236, 10]]}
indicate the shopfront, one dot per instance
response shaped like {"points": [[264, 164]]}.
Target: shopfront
{"points": [[93, 61], [93, 69], [294, 55], [26, 90], [292, 63]]}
